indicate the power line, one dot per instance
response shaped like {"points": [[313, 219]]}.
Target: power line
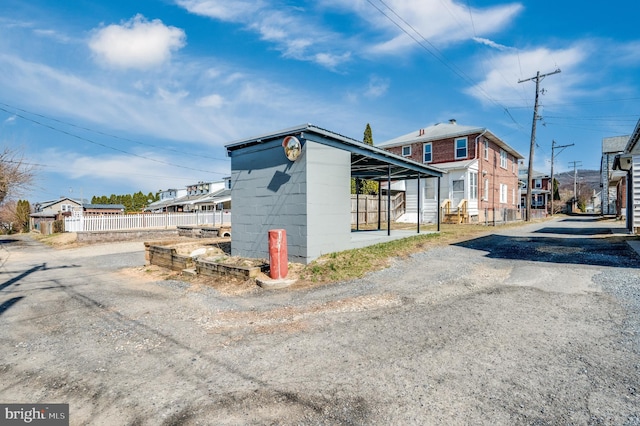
{"points": [[49, 166], [538, 78], [107, 146], [602, 101], [436, 53], [597, 118], [107, 134], [601, 129]]}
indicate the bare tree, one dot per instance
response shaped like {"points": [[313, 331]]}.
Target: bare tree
{"points": [[16, 176]]}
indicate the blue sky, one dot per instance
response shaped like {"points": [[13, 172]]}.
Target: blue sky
{"points": [[115, 97]]}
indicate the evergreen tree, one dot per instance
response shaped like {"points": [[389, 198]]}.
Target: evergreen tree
{"points": [[368, 187], [556, 189], [132, 202], [368, 136], [23, 210], [127, 202]]}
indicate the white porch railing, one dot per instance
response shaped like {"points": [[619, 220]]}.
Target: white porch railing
{"points": [[145, 221]]}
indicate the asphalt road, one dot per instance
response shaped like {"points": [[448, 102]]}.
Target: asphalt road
{"points": [[534, 325]]}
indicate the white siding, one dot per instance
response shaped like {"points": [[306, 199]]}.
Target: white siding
{"points": [[634, 186]]}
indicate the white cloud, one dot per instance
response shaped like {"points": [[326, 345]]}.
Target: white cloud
{"points": [[377, 87], [137, 43], [95, 175], [438, 21], [503, 72], [171, 97], [291, 29], [169, 110], [331, 61], [211, 101], [161, 113], [225, 10], [625, 53], [52, 34], [492, 44], [10, 120]]}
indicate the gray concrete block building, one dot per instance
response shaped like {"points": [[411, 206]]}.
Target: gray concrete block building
{"points": [[298, 179]]}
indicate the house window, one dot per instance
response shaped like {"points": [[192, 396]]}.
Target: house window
{"points": [[461, 148], [406, 151], [485, 194], [429, 189], [473, 185], [538, 183], [503, 193], [458, 185], [503, 158], [427, 157], [513, 196], [486, 149]]}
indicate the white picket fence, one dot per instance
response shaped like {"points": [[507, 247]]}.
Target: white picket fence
{"points": [[145, 221]]}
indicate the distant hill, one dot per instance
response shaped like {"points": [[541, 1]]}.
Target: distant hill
{"points": [[587, 178]]}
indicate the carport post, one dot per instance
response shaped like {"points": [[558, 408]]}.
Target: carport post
{"points": [[418, 203], [388, 199], [438, 206], [379, 205], [357, 204]]}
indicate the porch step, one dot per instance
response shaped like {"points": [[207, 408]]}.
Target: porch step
{"points": [[453, 218], [190, 271]]}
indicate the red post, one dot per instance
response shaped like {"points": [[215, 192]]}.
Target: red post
{"points": [[278, 259]]}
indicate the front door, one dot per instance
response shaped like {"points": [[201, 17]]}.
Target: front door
{"points": [[457, 192]]}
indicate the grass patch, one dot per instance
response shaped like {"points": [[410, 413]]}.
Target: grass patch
{"points": [[56, 240], [353, 264]]}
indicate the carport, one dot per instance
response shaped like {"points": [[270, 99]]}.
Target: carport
{"points": [[298, 179], [371, 163]]}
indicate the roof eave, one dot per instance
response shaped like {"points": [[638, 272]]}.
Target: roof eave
{"points": [[633, 139]]}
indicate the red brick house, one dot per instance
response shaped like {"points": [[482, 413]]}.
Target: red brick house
{"points": [[540, 193], [482, 173]]}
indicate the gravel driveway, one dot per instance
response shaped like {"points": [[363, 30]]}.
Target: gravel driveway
{"points": [[532, 325]]}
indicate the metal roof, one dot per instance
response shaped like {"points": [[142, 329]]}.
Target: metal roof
{"points": [[367, 161], [633, 140], [455, 165], [104, 206], [48, 203]]}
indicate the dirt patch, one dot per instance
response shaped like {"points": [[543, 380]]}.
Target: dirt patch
{"points": [[226, 285], [64, 240], [295, 318], [210, 248]]}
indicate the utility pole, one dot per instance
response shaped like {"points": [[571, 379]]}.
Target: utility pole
{"points": [[538, 78], [575, 164], [553, 148]]}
